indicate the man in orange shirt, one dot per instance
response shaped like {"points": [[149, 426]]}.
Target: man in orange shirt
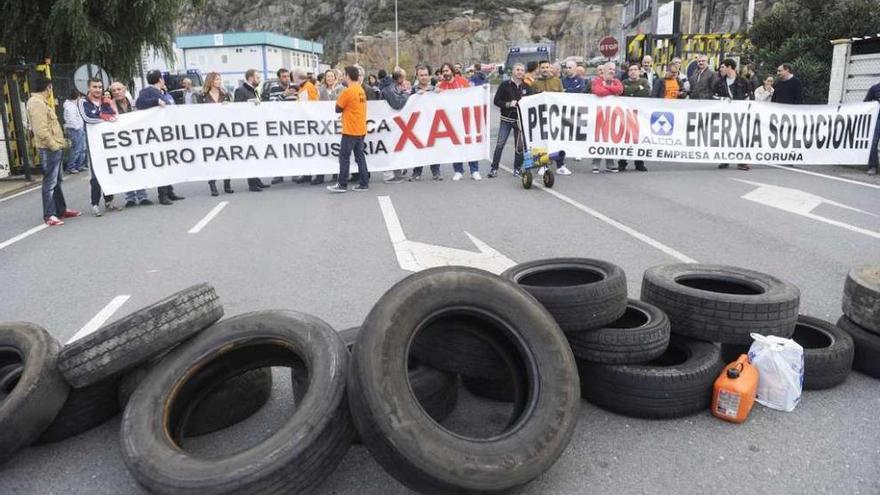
{"points": [[352, 104]]}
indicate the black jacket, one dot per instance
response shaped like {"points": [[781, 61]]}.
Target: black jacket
{"points": [[245, 92], [659, 90], [791, 92], [740, 89], [507, 92]]}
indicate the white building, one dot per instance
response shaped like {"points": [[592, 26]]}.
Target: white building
{"points": [[231, 54]]}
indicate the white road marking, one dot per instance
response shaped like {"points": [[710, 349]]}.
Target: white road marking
{"points": [[210, 216], [830, 177], [23, 235], [21, 193], [100, 318], [617, 225], [801, 203], [416, 256]]}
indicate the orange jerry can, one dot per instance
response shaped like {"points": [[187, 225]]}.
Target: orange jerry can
{"points": [[735, 390]]}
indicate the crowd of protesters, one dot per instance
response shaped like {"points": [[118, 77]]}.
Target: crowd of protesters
{"points": [[352, 87]]}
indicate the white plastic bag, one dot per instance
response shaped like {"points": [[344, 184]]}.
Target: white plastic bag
{"points": [[780, 364]]}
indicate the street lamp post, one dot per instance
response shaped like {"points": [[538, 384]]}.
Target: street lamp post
{"points": [[356, 58], [396, 38]]}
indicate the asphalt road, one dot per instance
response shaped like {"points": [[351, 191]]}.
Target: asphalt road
{"points": [[298, 247]]}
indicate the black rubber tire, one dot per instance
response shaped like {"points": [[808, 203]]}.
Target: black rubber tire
{"points": [[867, 347], [526, 177], [229, 403], [436, 390], [828, 352], [581, 294], [84, 409], [751, 302], [122, 345], [640, 335], [549, 179], [658, 389], [861, 297], [410, 445], [295, 459], [732, 352], [39, 393], [494, 390], [457, 347]]}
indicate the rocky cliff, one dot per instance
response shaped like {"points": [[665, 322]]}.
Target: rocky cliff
{"points": [[453, 30]]}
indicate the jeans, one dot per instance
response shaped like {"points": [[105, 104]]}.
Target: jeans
{"points": [[459, 167], [77, 157], [53, 197], [96, 191], [136, 196], [503, 135], [873, 158], [347, 145], [435, 170]]}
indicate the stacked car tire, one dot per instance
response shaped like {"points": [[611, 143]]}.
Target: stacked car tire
{"points": [[861, 317]]}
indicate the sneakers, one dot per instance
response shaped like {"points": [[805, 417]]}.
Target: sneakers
{"points": [[493, 173], [437, 177], [394, 180], [456, 176], [96, 210], [595, 170], [146, 202], [743, 166], [109, 206], [68, 213], [563, 170], [517, 173], [872, 171], [53, 221], [612, 170], [130, 203], [415, 178], [336, 188], [72, 171], [360, 188], [476, 176], [724, 165]]}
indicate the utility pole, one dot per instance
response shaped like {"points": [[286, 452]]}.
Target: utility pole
{"points": [[356, 58], [750, 14], [396, 38]]}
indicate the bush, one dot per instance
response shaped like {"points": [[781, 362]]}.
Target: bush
{"points": [[800, 32]]}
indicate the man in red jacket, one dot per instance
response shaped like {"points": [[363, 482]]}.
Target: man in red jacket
{"points": [[605, 84], [449, 81]]}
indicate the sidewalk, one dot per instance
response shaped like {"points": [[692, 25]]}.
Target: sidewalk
{"points": [[16, 184]]}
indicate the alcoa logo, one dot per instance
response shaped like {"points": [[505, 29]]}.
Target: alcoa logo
{"points": [[662, 123]]}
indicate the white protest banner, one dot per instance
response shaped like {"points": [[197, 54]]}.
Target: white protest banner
{"points": [[702, 131], [177, 144]]}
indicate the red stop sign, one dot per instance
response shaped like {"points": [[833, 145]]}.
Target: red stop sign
{"points": [[608, 46]]}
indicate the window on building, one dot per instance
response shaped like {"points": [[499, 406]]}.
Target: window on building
{"points": [[239, 50]]}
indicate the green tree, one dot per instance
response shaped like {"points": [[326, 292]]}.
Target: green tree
{"points": [[799, 32], [111, 33]]}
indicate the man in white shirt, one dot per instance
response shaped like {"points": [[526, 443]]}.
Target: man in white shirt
{"points": [[74, 127]]}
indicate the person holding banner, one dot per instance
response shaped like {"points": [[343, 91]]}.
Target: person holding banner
{"points": [[606, 85], [704, 80], [122, 104], [423, 86], [507, 98], [636, 86], [155, 95], [450, 82], [731, 86], [670, 87], [546, 81], [91, 109], [248, 92], [213, 92], [788, 88], [873, 159], [352, 104]]}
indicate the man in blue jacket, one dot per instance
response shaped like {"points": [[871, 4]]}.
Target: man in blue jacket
{"points": [[571, 82], [873, 159], [154, 95]]}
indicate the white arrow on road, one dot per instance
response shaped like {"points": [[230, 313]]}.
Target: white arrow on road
{"points": [[415, 256], [801, 203]]}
